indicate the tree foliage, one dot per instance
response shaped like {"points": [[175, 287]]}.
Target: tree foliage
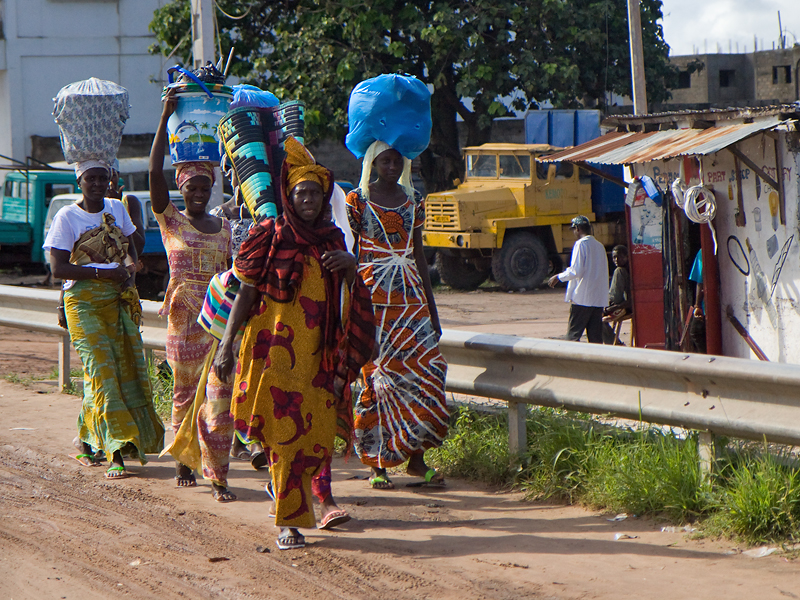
{"points": [[482, 58]]}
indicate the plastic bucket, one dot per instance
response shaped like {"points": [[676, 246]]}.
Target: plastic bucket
{"points": [[192, 128]]}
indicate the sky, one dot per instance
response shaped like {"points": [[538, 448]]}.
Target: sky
{"points": [[698, 26]]}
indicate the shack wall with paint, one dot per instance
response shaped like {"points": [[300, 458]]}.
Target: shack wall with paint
{"points": [[759, 270]]}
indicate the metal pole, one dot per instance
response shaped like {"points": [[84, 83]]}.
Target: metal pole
{"points": [[64, 380], [637, 58], [202, 32]]}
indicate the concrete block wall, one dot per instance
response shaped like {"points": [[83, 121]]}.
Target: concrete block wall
{"points": [[752, 83], [765, 62]]}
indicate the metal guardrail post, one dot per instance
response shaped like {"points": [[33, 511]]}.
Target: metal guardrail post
{"points": [[517, 428], [64, 380], [706, 450]]}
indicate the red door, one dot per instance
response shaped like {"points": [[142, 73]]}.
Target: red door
{"points": [[647, 275]]}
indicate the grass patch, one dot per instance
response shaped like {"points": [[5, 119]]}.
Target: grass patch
{"points": [[162, 382], [758, 500], [475, 449], [645, 470]]}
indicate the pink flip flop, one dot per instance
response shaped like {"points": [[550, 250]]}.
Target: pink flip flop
{"points": [[334, 518]]}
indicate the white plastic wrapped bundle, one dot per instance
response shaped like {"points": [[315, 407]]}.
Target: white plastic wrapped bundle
{"points": [[91, 115]]}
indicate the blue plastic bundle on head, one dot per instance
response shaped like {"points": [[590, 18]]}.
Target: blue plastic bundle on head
{"points": [[395, 109], [249, 95]]}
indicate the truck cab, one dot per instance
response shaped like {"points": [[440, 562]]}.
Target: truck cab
{"points": [[510, 217], [23, 207]]}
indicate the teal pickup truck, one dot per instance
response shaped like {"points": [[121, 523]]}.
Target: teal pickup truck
{"points": [[23, 210]]}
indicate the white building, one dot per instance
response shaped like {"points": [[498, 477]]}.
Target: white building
{"points": [[46, 44]]}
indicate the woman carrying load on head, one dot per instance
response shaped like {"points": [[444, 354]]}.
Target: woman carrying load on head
{"points": [[401, 411], [90, 248], [309, 332], [198, 247]]}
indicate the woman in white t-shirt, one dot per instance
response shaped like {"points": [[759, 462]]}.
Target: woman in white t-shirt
{"points": [[90, 250]]}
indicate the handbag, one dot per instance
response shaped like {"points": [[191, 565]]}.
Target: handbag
{"points": [[216, 310]]}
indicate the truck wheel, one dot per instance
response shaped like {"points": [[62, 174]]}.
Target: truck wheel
{"points": [[522, 262], [459, 273]]}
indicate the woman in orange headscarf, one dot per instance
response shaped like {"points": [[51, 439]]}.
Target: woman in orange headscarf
{"points": [[310, 331]]}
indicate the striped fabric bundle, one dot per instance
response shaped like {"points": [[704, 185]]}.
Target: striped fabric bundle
{"points": [[222, 290]]}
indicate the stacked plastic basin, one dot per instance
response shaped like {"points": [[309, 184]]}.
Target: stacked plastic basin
{"points": [[253, 140]]}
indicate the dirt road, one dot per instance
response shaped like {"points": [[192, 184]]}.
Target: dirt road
{"points": [[66, 532]]}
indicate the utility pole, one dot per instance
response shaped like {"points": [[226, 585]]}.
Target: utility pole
{"points": [[637, 58], [202, 32]]}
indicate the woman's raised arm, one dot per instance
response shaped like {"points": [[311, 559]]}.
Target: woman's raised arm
{"points": [[159, 192]]}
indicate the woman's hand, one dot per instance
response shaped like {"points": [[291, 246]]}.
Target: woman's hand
{"points": [[115, 189], [118, 274], [437, 327], [170, 103], [338, 260], [223, 363]]}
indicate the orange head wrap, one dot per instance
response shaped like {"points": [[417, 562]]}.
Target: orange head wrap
{"points": [[301, 166]]}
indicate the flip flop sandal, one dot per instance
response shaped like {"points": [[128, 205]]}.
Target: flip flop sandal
{"points": [[241, 455], [429, 481], [381, 479], [117, 472], [258, 460], [223, 496], [191, 479], [284, 544], [334, 518], [93, 462]]}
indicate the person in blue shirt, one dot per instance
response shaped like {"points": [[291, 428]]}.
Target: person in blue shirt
{"points": [[697, 327]]}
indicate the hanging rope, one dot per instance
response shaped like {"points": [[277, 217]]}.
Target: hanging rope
{"points": [[247, 12], [699, 203]]}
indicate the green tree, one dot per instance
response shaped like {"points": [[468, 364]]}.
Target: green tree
{"points": [[481, 58]]}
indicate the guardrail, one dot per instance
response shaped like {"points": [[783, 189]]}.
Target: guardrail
{"points": [[35, 310], [718, 395]]}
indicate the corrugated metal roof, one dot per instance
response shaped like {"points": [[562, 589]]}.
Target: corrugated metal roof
{"points": [[623, 148], [500, 147]]}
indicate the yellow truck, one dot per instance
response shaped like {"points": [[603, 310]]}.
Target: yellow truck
{"points": [[510, 218]]}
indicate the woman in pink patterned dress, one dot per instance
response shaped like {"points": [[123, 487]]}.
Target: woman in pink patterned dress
{"points": [[198, 246]]}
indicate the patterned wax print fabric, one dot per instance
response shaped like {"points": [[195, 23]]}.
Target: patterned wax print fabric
{"points": [[203, 441], [194, 258], [239, 229], [283, 395], [117, 408], [91, 115], [402, 409]]}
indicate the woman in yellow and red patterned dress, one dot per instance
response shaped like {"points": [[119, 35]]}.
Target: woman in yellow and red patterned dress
{"points": [[310, 331]]}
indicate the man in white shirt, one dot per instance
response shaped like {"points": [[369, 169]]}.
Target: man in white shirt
{"points": [[587, 287]]}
